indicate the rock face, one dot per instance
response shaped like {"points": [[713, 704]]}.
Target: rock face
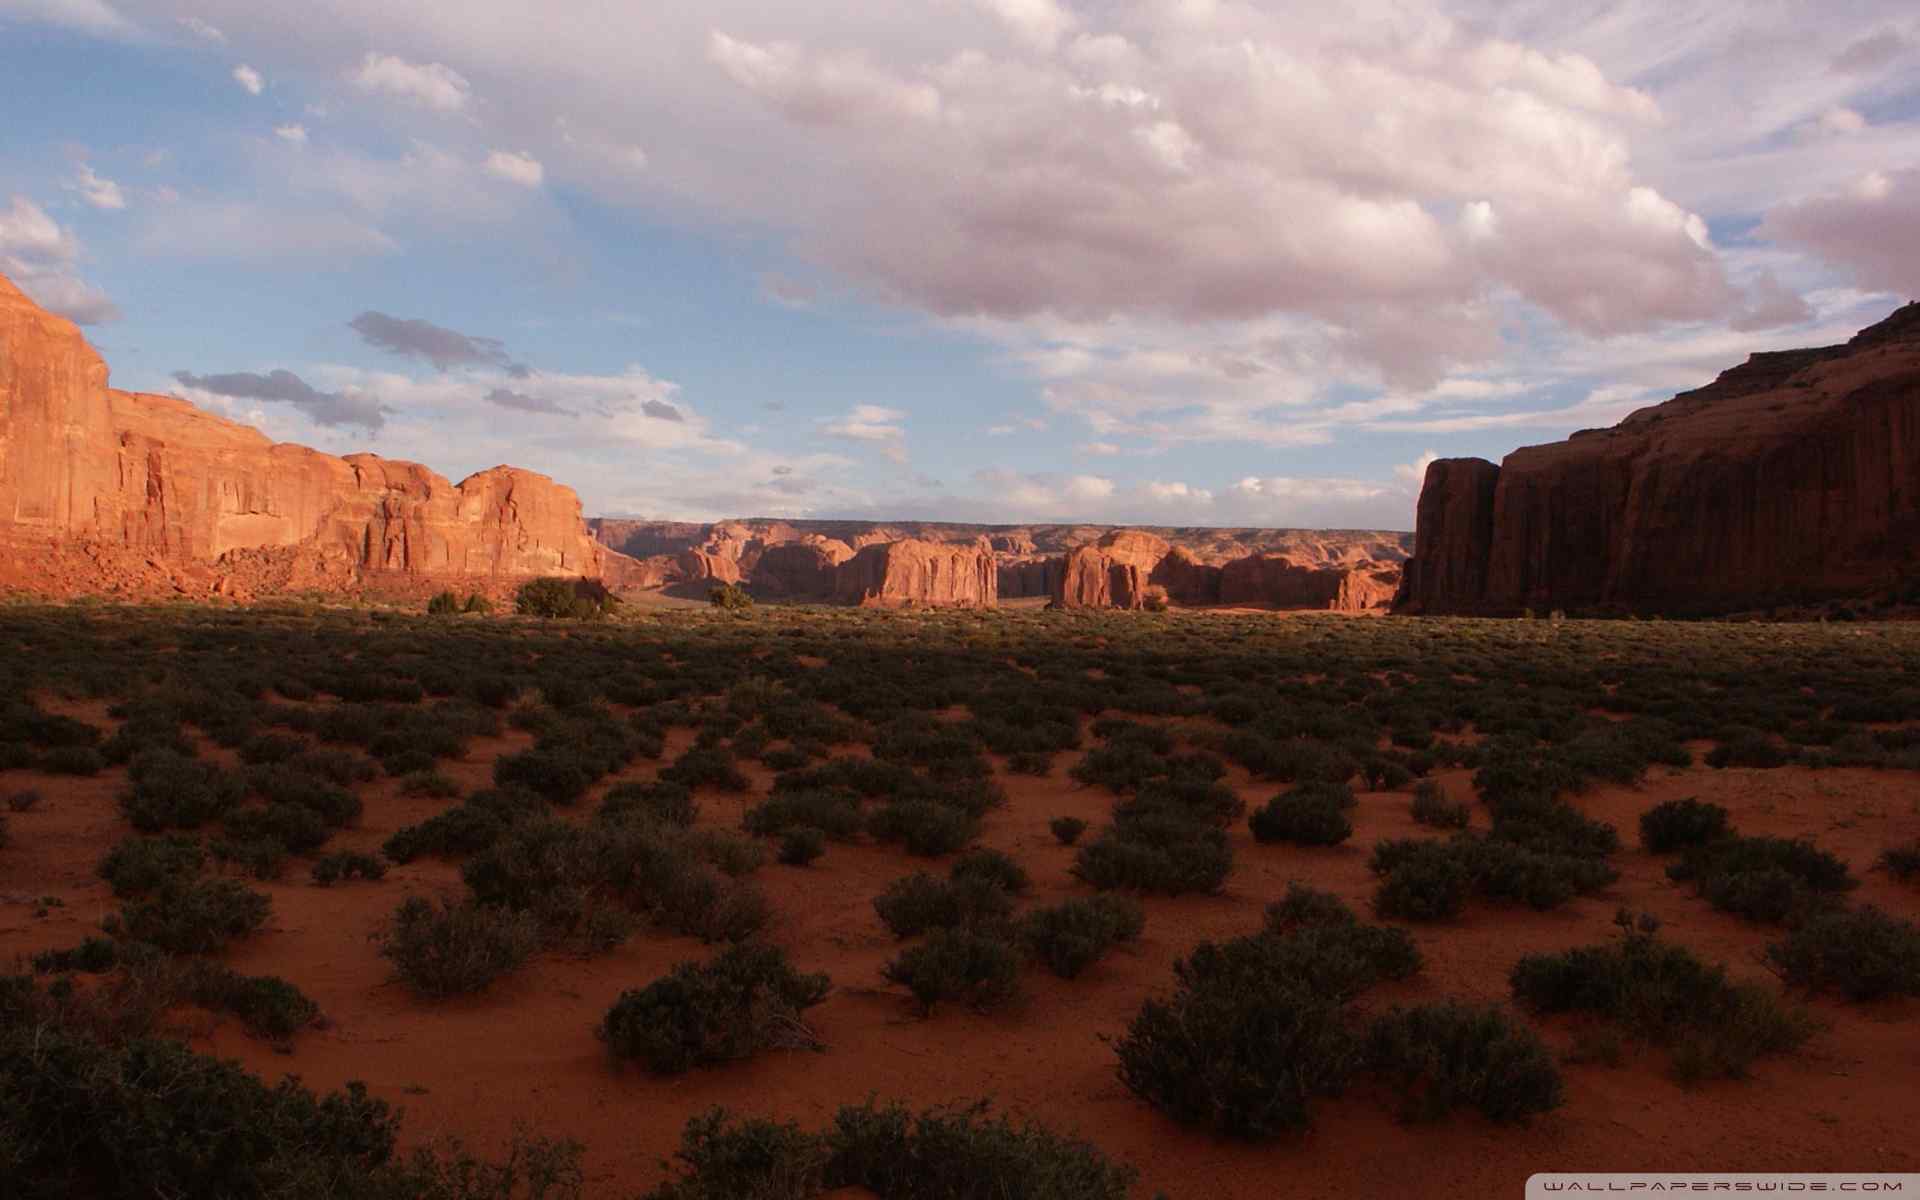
{"points": [[1793, 478], [156, 477], [913, 572], [1071, 564]]}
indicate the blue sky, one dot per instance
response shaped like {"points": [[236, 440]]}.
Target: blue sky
{"points": [[1168, 261]]}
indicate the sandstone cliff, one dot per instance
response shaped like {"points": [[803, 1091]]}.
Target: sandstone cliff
{"points": [[894, 574], [1793, 478], [196, 501]]}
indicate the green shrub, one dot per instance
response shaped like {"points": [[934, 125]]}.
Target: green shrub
{"points": [[918, 903], [953, 1153], [467, 828], [1258, 1028], [429, 783], [1863, 953], [1305, 816], [1452, 1055], [978, 969], [836, 814], [667, 803], [93, 956], [801, 846], [1304, 906], [268, 1005], [477, 604], [1662, 993], [1682, 825], [926, 828], [1421, 880], [347, 864], [746, 1000], [448, 949], [1071, 936], [1168, 855], [1747, 748], [557, 775], [1067, 830], [548, 597], [443, 604], [711, 766], [994, 867], [291, 826], [730, 597], [1432, 807], [194, 916], [72, 760], [166, 791], [1902, 862], [1030, 762], [1764, 878], [138, 865]]}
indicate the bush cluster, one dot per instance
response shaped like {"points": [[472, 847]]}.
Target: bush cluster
{"points": [[746, 1000], [1764, 878], [448, 949]]}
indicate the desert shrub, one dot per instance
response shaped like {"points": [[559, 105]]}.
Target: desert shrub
{"points": [[1421, 880], [1305, 816], [72, 760], [711, 766], [1197, 798], [1863, 953], [748, 999], [548, 597], [1067, 830], [1452, 1055], [24, 800], [270, 748], [960, 1153], [981, 970], [835, 813], [918, 903], [1764, 878], [1682, 825], [952, 1153], [288, 784], [994, 867], [261, 857], [443, 604], [193, 916], [730, 597], [266, 1004], [699, 902], [166, 791], [1168, 855], [466, 828], [448, 949], [558, 775], [800, 846], [927, 828], [1305, 906], [347, 864], [93, 956], [1071, 936], [1902, 862], [334, 765], [138, 865], [1432, 807], [429, 783], [1662, 993], [296, 828], [1030, 762], [1257, 1028], [1747, 748], [477, 604]]}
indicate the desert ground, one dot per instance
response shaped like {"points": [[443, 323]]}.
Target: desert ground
{"points": [[1815, 729]]}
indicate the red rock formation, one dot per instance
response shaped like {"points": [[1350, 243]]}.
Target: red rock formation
{"points": [[1114, 572], [83, 464], [801, 570], [1187, 579], [1792, 478], [911, 572], [1021, 578]]}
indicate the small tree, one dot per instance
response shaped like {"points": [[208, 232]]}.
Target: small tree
{"points": [[731, 597]]}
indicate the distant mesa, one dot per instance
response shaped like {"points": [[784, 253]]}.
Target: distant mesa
{"points": [[121, 493], [1793, 479]]}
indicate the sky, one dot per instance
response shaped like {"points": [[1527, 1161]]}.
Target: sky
{"points": [[1179, 262]]}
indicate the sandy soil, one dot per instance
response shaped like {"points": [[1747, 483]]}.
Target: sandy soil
{"points": [[524, 1053]]}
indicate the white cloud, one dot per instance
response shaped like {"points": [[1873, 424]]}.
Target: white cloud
{"points": [[297, 134], [249, 79], [97, 190], [1868, 230], [95, 17], [515, 167], [205, 32], [41, 258], [433, 85], [1040, 24], [838, 89], [1414, 474]]}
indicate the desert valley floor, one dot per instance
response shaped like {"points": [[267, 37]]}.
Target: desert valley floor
{"points": [[1816, 728]]}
